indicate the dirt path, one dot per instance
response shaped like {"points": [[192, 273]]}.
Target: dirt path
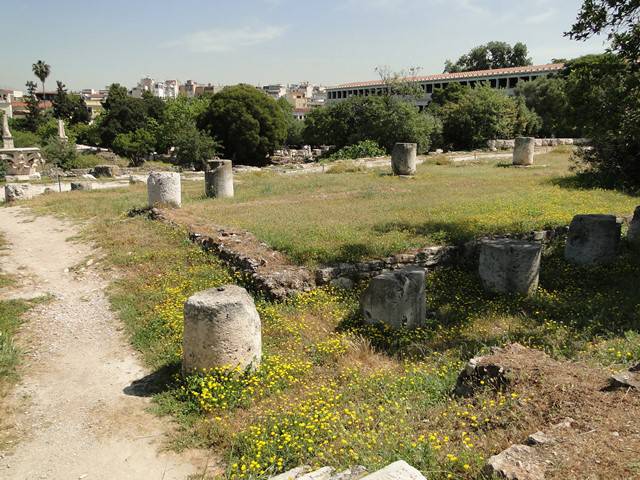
{"points": [[70, 414]]}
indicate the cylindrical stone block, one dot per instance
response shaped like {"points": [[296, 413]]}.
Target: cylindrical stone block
{"points": [[163, 188], [397, 299], [221, 329], [403, 158], [218, 181], [81, 186], [592, 239], [17, 191], [523, 150], [510, 266], [633, 235]]}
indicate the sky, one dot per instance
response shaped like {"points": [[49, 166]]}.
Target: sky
{"points": [[91, 44]]}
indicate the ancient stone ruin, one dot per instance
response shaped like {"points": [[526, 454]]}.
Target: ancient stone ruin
{"points": [[510, 266], [22, 163], [81, 186], [218, 180], [523, 151], [403, 158], [164, 188], [397, 299], [62, 135], [221, 329], [18, 191], [592, 239]]}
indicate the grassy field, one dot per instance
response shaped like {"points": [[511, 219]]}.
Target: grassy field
{"points": [[332, 391], [347, 217]]}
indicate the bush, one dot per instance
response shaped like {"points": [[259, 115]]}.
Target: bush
{"points": [[249, 123], [60, 153], [472, 116], [24, 139], [386, 120], [363, 149]]}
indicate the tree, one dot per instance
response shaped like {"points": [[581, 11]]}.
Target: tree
{"points": [[136, 145], [33, 107], [490, 56], [249, 123], [384, 119], [548, 98], [61, 153], [194, 148], [618, 19], [70, 107], [179, 115], [41, 70], [399, 83], [125, 114], [294, 126], [473, 116]]}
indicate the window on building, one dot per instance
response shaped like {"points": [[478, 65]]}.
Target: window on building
{"points": [[513, 82], [429, 88], [503, 83]]}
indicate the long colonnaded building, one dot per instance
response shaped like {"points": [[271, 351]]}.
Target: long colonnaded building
{"points": [[501, 78]]}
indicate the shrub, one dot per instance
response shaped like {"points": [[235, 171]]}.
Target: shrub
{"points": [[24, 139], [386, 120], [363, 149], [60, 153]]}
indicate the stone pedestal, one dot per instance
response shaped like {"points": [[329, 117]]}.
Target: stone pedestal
{"points": [[22, 163], [633, 236], [592, 239], [7, 138], [221, 329], [403, 158], [397, 299], [81, 186], [510, 266], [163, 188], [523, 150], [218, 181], [18, 191]]}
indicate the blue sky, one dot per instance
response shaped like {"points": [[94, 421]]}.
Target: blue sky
{"points": [[90, 44]]}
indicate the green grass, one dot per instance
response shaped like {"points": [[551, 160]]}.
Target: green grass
{"points": [[331, 218], [331, 390]]}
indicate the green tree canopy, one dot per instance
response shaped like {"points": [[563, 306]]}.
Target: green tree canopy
{"points": [[41, 70], [34, 115], [249, 124], [383, 119], [472, 116], [490, 56], [70, 107]]}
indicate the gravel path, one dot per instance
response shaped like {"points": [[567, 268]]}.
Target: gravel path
{"points": [[70, 417]]}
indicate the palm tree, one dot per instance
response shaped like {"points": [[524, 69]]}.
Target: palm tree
{"points": [[42, 71]]}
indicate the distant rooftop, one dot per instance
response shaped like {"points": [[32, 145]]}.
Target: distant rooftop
{"points": [[549, 68]]}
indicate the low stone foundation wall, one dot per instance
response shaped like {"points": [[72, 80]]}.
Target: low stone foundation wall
{"points": [[430, 257], [502, 144]]}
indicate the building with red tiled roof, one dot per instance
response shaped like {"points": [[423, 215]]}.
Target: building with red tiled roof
{"points": [[501, 78]]}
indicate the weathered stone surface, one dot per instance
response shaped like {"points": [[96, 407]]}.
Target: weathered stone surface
{"points": [[218, 180], [18, 191], [81, 186], [106, 171], [540, 438], [292, 474], [523, 150], [399, 470], [353, 473], [592, 239], [633, 235], [7, 138], [397, 299], [518, 462], [481, 371], [628, 379], [164, 188], [323, 473], [403, 158], [221, 329], [510, 266], [344, 283]]}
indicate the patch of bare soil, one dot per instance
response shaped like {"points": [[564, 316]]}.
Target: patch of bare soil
{"points": [[582, 427], [73, 414]]}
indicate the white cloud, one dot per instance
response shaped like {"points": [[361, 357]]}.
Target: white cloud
{"points": [[227, 39]]}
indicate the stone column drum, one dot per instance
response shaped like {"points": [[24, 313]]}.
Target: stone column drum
{"points": [[164, 188], [218, 181], [403, 158], [592, 239], [523, 150], [221, 329], [633, 235], [18, 191], [510, 266], [397, 299]]}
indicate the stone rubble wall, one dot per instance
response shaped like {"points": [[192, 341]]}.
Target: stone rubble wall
{"points": [[503, 144]]}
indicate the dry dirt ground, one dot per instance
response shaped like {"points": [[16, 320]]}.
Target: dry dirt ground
{"points": [[70, 416]]}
